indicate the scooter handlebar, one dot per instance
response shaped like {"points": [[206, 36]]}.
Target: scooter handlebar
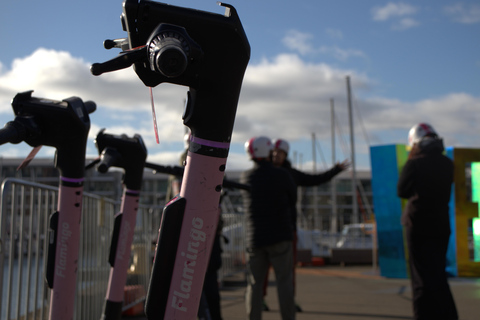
{"points": [[12, 132], [63, 125], [128, 153], [108, 158], [205, 51]]}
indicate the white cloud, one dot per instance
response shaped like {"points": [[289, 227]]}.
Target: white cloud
{"points": [[130, 130], [405, 23], [57, 75], [11, 151], [123, 102], [281, 97], [165, 157], [341, 54], [400, 13], [334, 33], [463, 14], [298, 41], [453, 116], [391, 10], [301, 42], [287, 95]]}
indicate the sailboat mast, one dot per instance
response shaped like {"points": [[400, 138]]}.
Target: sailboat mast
{"points": [[333, 223], [352, 157], [314, 188]]}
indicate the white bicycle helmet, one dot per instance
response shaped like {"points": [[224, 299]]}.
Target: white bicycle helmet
{"points": [[258, 147], [282, 145], [420, 131]]}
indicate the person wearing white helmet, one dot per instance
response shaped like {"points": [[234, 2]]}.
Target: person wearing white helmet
{"points": [[420, 132], [279, 157], [280, 150], [426, 181], [259, 148], [268, 228]]}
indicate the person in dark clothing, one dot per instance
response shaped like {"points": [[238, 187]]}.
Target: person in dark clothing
{"points": [[279, 159], [268, 228], [426, 181]]}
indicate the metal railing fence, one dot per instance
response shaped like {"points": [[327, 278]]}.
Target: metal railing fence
{"points": [[25, 211], [233, 245], [25, 208]]}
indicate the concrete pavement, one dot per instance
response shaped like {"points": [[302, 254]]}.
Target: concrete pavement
{"points": [[347, 293]]}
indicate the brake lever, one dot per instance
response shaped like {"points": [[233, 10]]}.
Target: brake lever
{"points": [[123, 61]]}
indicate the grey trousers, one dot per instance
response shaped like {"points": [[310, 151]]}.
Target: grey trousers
{"points": [[280, 256]]}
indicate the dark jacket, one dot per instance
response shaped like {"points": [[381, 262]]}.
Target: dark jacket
{"points": [[426, 181], [306, 180], [268, 204]]}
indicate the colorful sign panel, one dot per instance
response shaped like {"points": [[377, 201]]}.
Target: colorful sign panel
{"points": [[463, 256]]}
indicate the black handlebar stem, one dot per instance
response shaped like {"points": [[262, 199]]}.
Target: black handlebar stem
{"points": [[63, 125], [123, 152], [205, 51]]}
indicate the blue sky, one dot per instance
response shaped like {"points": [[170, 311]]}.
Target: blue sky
{"points": [[408, 61]]}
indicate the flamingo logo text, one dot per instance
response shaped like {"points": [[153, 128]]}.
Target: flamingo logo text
{"points": [[189, 262]]}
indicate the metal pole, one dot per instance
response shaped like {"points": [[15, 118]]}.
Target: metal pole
{"points": [[314, 154], [333, 224], [352, 145], [314, 195], [299, 195], [314, 159]]}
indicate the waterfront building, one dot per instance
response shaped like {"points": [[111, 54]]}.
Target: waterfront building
{"points": [[317, 208]]}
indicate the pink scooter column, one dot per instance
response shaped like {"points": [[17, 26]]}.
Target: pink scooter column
{"points": [[63, 125], [64, 240], [208, 53], [129, 154]]}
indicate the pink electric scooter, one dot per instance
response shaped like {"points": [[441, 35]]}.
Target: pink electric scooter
{"points": [[63, 125], [208, 53], [128, 154]]}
